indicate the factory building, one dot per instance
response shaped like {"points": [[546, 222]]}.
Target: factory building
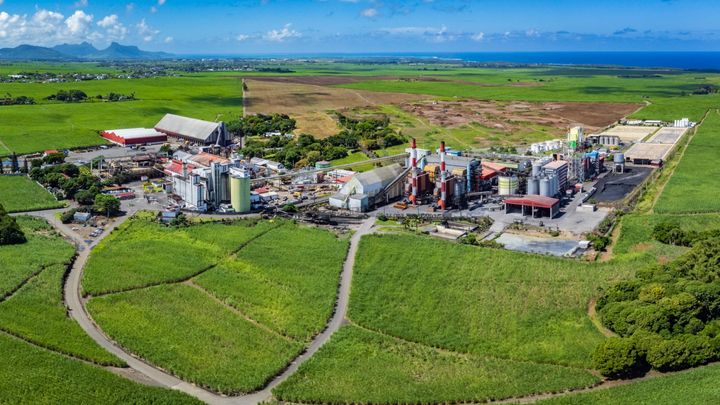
{"points": [[575, 138], [202, 180], [602, 139], [366, 189], [193, 130], [134, 136], [547, 146], [559, 169]]}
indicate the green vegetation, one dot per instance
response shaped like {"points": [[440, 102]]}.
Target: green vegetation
{"points": [[170, 254], [183, 330], [292, 293], [36, 312], [668, 316], [52, 125], [259, 125], [10, 232], [29, 375], [480, 301], [692, 387], [44, 248], [359, 366], [697, 174], [19, 194]]}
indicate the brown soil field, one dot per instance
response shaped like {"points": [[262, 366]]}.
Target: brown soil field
{"points": [[309, 104], [511, 116]]}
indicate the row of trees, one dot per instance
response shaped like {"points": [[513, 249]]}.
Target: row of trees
{"points": [[68, 96], [21, 100], [667, 318], [672, 234], [301, 152], [368, 133]]}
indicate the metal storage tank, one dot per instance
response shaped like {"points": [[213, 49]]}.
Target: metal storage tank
{"points": [[533, 186], [507, 185], [433, 171], [240, 193], [545, 187], [619, 158]]}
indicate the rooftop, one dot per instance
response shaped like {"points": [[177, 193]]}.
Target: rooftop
{"points": [[132, 133], [187, 127], [537, 201]]}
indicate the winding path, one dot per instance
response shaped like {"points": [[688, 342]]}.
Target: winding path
{"points": [[74, 301]]}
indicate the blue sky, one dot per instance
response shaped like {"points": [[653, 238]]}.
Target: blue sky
{"points": [[366, 26]]}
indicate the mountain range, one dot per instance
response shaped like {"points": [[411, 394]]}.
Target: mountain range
{"points": [[83, 51]]}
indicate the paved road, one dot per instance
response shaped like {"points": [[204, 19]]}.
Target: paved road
{"points": [[78, 312]]}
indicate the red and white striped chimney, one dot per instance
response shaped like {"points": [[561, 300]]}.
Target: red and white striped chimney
{"points": [[413, 171], [443, 178]]}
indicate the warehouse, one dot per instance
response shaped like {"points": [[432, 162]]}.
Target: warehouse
{"points": [[134, 136], [362, 190], [534, 205], [193, 130], [648, 153]]}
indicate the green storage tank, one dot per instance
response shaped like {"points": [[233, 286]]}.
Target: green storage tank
{"points": [[240, 193]]}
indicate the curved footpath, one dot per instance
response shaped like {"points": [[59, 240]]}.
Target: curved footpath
{"points": [[74, 301]]}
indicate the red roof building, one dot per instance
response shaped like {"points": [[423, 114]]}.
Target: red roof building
{"points": [[134, 136], [534, 205]]}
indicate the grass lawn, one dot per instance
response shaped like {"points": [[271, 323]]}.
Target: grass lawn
{"points": [[359, 366], [169, 254], [183, 330], [691, 186], [480, 301], [293, 292], [20, 194], [354, 157], [29, 375], [698, 386]]}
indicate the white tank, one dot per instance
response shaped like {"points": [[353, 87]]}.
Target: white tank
{"points": [[545, 187], [507, 185]]}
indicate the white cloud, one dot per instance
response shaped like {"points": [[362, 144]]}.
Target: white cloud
{"points": [[153, 9], [478, 37], [161, 2], [243, 37], [430, 34], [113, 27], [79, 22], [79, 3], [369, 12], [146, 32], [130, 7], [283, 34], [169, 40]]}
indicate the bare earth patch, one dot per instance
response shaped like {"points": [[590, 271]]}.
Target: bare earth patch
{"points": [[309, 104], [514, 116]]}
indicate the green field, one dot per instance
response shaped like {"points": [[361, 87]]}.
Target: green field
{"points": [[29, 375], [359, 366], [689, 387], [293, 293], [182, 330], [480, 301], [20, 194], [171, 254], [56, 125], [690, 187], [228, 315]]}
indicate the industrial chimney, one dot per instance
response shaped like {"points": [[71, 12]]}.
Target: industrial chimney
{"points": [[413, 171], [443, 178]]}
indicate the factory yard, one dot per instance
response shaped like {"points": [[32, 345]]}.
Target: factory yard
{"points": [[629, 133]]}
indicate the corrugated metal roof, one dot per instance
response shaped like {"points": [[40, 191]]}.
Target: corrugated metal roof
{"points": [[557, 164], [382, 175], [188, 127], [132, 133], [533, 201]]}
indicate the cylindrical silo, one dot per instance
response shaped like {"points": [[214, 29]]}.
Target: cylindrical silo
{"points": [[533, 186], [545, 187], [240, 193], [536, 168], [507, 185]]}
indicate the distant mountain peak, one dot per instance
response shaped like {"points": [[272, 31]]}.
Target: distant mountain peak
{"points": [[84, 50]]}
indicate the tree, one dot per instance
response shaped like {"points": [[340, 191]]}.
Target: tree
{"points": [[618, 358], [85, 197], [106, 204], [10, 232]]}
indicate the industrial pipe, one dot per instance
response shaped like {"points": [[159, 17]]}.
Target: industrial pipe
{"points": [[443, 178]]}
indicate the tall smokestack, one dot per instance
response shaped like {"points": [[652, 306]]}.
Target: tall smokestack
{"points": [[443, 178], [414, 171]]}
